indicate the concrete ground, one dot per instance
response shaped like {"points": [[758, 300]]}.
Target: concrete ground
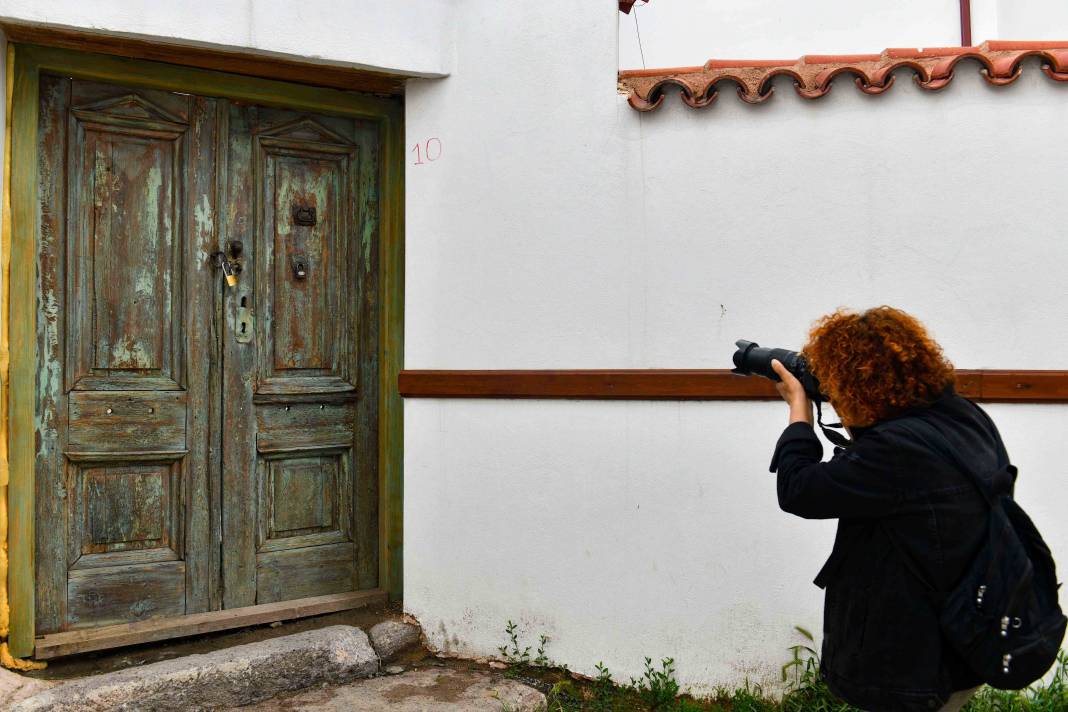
{"points": [[437, 689]]}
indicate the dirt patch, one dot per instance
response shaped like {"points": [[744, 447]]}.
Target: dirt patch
{"points": [[291, 702], [445, 688]]}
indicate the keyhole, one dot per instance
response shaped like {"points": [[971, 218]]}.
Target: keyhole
{"points": [[243, 327], [244, 301]]}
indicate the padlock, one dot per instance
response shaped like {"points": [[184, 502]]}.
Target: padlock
{"points": [[228, 273], [230, 269]]}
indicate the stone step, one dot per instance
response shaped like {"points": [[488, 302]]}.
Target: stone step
{"points": [[15, 687], [391, 637], [240, 675]]}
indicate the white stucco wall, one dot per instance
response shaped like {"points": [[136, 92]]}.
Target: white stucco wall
{"points": [[411, 37], [679, 34], [1020, 19], [682, 34], [561, 229]]}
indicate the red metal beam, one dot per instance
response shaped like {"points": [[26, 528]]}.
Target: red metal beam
{"points": [[965, 23]]}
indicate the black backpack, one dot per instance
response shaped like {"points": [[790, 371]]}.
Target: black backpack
{"points": [[1003, 616]]}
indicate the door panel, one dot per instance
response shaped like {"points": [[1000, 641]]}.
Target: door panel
{"points": [[123, 526], [306, 186], [102, 421], [125, 159], [294, 189], [123, 513]]}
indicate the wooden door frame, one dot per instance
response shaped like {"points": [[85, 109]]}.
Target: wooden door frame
{"points": [[29, 62]]}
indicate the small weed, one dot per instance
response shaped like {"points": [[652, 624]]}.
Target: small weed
{"points": [[657, 688], [513, 655], [805, 689], [604, 690], [749, 698], [804, 663], [541, 660]]}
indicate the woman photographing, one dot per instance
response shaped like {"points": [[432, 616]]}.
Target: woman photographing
{"points": [[910, 518]]}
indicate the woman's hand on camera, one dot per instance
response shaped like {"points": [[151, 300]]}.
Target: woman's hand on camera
{"points": [[793, 393]]}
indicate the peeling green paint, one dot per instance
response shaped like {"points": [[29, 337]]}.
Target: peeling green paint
{"points": [[144, 285], [128, 353], [203, 223]]}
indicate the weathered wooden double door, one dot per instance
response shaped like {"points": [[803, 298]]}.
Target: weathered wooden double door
{"points": [[202, 446]]}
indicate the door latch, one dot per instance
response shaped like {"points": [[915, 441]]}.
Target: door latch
{"points": [[244, 324]]}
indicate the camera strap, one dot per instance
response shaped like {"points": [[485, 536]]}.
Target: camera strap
{"points": [[835, 437]]}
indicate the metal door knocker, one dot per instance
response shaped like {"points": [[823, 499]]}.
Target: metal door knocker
{"points": [[303, 215], [300, 267]]}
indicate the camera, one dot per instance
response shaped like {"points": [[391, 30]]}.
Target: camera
{"points": [[752, 358]]}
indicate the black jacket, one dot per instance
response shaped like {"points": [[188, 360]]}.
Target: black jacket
{"points": [[895, 496]]}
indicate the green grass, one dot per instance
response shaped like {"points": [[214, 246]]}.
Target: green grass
{"points": [[1051, 697], [657, 690]]}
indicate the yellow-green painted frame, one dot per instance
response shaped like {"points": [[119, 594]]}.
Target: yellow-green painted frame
{"points": [[30, 61]]}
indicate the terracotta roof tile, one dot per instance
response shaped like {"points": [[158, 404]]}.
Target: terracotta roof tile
{"points": [[813, 74]]}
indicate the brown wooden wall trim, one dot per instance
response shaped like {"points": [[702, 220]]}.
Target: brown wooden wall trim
{"points": [[232, 61], [692, 384]]}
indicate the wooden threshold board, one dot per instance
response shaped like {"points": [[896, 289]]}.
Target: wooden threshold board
{"points": [[55, 645]]}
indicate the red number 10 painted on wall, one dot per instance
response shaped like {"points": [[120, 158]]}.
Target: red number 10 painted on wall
{"points": [[430, 150]]}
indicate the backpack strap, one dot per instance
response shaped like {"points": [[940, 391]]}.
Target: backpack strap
{"points": [[941, 444]]}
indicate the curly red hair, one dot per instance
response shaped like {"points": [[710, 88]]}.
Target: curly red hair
{"points": [[876, 364]]}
